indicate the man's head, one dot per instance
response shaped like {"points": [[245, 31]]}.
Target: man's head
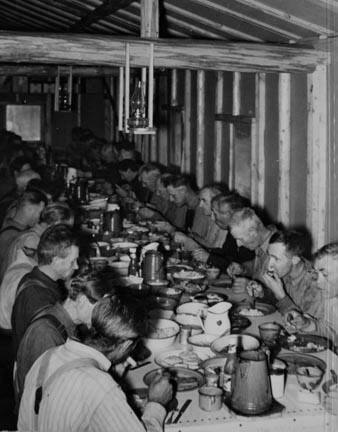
{"points": [[24, 177], [57, 213], [161, 185], [206, 195], [326, 264], [19, 165], [285, 251], [128, 169], [148, 175], [30, 205], [58, 249], [108, 153], [246, 228], [224, 206], [179, 189], [83, 295], [118, 322], [126, 150]]}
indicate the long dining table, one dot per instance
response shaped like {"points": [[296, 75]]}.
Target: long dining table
{"points": [[290, 415]]}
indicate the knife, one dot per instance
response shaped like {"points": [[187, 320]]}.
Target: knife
{"points": [[182, 410]]}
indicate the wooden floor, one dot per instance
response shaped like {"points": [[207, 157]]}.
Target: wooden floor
{"points": [[7, 417]]}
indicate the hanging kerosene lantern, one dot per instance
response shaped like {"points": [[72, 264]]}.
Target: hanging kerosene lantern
{"points": [[136, 112]]}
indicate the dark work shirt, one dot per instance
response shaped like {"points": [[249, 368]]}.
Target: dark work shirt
{"points": [[40, 292], [228, 253]]}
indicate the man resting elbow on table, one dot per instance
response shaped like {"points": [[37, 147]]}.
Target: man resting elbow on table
{"points": [[222, 207], [326, 323], [84, 396]]}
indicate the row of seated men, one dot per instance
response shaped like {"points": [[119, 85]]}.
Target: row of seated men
{"points": [[61, 376]]}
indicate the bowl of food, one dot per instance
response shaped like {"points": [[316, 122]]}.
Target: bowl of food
{"points": [[160, 334], [160, 302], [189, 275], [120, 268], [201, 344], [161, 314], [98, 263], [165, 291], [191, 308], [244, 342], [309, 377]]}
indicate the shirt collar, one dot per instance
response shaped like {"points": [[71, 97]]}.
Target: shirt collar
{"points": [[85, 351]]}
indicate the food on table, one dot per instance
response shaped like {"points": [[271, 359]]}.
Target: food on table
{"points": [[298, 345], [251, 312], [186, 274], [187, 359]]}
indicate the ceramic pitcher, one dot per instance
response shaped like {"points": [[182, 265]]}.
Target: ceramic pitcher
{"points": [[216, 321]]}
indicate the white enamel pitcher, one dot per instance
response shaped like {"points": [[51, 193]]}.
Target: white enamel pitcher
{"points": [[216, 321]]}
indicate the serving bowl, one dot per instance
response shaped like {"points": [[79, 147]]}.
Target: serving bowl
{"points": [[160, 334], [309, 377], [189, 276], [201, 344], [191, 308], [120, 267], [244, 341]]}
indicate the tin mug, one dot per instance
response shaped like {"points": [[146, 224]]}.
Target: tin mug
{"points": [[210, 398]]}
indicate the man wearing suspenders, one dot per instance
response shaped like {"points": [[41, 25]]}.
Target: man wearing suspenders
{"points": [[69, 388]]}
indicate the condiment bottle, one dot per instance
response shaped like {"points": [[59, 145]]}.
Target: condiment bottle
{"points": [[133, 265]]}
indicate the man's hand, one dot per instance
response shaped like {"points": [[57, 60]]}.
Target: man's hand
{"points": [[255, 289], [239, 285], [200, 255], [146, 213], [121, 192], [274, 282], [160, 390], [234, 269], [295, 322]]}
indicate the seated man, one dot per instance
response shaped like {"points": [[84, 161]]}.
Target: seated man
{"points": [[325, 322], [129, 184], [82, 395], [27, 214], [223, 207], [249, 231], [57, 260], [51, 327], [289, 276], [182, 194], [21, 256], [204, 231]]}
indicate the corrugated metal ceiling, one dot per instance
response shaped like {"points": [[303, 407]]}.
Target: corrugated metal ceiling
{"points": [[275, 21]]}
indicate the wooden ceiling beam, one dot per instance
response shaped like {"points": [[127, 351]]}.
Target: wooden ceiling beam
{"points": [[81, 50], [51, 71], [100, 12]]}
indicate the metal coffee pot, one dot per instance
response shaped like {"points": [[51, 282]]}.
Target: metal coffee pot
{"points": [[112, 219], [153, 266], [251, 389]]}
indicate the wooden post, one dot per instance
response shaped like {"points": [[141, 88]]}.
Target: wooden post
{"points": [[200, 139], [258, 143], [121, 85], [236, 101], [187, 122], [48, 117], [219, 99], [79, 103], [126, 89], [317, 156], [284, 97], [162, 131]]}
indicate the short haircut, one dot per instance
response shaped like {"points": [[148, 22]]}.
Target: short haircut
{"points": [[93, 288], [330, 249], [234, 200], [116, 318], [151, 166], [214, 190], [245, 214], [55, 242], [18, 163], [166, 178], [56, 213], [294, 242], [128, 164], [32, 197], [178, 181]]}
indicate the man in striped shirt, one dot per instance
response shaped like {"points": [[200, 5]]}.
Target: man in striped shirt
{"points": [[82, 396]]}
